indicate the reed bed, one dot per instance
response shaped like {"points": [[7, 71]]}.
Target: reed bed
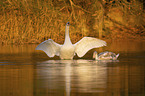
{"points": [[33, 21]]}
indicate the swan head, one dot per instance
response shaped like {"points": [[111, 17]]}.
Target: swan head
{"points": [[67, 24]]}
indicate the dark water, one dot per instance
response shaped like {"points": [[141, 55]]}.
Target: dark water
{"points": [[26, 72]]}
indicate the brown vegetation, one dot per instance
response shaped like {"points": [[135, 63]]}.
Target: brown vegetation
{"points": [[33, 21]]}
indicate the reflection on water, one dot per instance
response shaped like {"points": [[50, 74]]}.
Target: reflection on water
{"points": [[76, 75], [16, 80], [26, 72]]}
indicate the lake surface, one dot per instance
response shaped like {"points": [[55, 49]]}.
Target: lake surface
{"points": [[27, 72]]}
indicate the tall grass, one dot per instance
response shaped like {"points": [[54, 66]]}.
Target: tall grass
{"points": [[33, 21], [28, 21]]}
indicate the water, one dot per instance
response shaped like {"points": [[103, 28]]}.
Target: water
{"points": [[26, 72]]}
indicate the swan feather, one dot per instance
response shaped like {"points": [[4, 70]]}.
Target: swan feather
{"points": [[50, 47], [86, 44]]}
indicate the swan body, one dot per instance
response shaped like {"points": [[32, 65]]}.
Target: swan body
{"points": [[68, 50], [105, 56]]}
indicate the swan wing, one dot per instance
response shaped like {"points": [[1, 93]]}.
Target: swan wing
{"points": [[50, 47], [103, 54], [86, 44]]}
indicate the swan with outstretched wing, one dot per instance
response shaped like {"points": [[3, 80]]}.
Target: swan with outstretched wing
{"points": [[68, 50]]}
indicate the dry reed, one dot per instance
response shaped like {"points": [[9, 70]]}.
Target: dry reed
{"points": [[33, 21]]}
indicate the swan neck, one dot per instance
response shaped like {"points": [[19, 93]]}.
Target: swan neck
{"points": [[67, 38], [97, 57]]}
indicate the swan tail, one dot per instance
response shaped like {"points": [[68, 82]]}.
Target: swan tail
{"points": [[117, 55]]}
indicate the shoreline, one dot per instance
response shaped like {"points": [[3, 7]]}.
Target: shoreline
{"points": [[34, 41]]}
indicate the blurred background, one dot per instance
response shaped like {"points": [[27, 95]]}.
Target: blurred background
{"points": [[33, 21]]}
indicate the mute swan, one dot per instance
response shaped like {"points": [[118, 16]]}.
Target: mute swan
{"points": [[105, 56], [68, 50]]}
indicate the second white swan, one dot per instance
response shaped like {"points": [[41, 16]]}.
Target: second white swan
{"points": [[68, 50]]}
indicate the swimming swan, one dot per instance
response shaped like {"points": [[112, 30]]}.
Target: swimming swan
{"points": [[105, 56], [68, 50]]}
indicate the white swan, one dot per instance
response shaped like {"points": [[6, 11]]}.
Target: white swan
{"points": [[105, 56], [68, 50]]}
